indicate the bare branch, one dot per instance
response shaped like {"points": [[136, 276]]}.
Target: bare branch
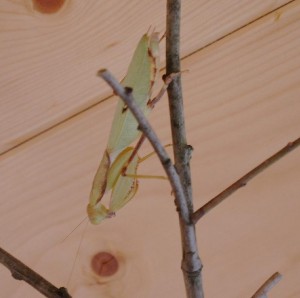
{"points": [[243, 180], [21, 272], [267, 286], [191, 263], [180, 147], [126, 95]]}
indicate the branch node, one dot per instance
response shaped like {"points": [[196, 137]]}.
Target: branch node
{"points": [[188, 151], [167, 162], [63, 292], [17, 275], [193, 272], [128, 90]]}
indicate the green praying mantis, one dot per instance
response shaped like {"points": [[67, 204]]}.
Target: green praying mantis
{"points": [[118, 167]]}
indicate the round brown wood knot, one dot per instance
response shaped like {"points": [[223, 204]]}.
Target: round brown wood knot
{"points": [[104, 264], [48, 6]]}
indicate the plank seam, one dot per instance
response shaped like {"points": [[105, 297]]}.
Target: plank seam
{"points": [[162, 69]]}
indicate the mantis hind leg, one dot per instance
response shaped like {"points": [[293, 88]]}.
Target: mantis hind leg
{"points": [[152, 153], [138, 176], [147, 176]]}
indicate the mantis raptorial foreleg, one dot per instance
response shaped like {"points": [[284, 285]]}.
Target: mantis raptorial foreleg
{"points": [[167, 80]]}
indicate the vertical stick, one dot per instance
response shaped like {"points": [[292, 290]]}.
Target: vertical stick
{"points": [[191, 263]]}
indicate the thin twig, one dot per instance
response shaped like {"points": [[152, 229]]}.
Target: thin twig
{"points": [[126, 95], [191, 263], [243, 180], [22, 272], [267, 286]]}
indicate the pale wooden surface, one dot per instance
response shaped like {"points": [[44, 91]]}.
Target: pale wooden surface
{"points": [[242, 104]]}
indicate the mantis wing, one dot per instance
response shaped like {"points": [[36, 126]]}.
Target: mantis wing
{"points": [[141, 75]]}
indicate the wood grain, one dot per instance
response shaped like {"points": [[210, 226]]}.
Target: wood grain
{"points": [[49, 60], [242, 105]]}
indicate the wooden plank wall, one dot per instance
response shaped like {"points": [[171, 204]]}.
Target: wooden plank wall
{"points": [[241, 102]]}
